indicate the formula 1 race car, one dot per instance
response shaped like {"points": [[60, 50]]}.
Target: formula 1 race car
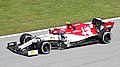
{"points": [[71, 35]]}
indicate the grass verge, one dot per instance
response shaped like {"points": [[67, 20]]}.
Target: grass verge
{"points": [[27, 15]]}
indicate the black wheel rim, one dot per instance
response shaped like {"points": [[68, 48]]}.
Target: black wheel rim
{"points": [[107, 38], [46, 48]]}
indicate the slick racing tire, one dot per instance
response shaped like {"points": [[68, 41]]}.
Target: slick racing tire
{"points": [[25, 38], [104, 37], [44, 48]]}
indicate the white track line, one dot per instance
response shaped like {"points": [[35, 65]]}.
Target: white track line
{"points": [[111, 19]]}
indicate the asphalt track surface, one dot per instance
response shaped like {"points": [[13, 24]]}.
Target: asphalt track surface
{"points": [[96, 55]]}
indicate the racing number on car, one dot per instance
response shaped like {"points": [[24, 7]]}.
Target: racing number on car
{"points": [[86, 31]]}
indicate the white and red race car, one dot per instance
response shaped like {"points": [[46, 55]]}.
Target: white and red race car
{"points": [[71, 35]]}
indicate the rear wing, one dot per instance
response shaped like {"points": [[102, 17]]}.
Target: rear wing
{"points": [[109, 25]]}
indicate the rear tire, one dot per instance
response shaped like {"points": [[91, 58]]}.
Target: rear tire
{"points": [[104, 37], [25, 38], [44, 48]]}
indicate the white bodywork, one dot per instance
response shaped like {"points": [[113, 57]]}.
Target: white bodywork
{"points": [[27, 43], [68, 37]]}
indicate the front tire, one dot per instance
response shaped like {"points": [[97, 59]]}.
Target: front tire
{"points": [[44, 48], [25, 38]]}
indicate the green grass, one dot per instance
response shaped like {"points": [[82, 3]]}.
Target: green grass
{"points": [[26, 15]]}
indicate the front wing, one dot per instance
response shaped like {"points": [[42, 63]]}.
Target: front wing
{"points": [[13, 46]]}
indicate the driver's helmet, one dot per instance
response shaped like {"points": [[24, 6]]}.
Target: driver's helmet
{"points": [[67, 23]]}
